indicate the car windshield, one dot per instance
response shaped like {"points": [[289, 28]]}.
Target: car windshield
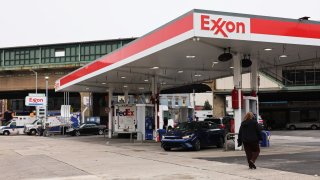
{"points": [[8, 123], [83, 125], [185, 126]]}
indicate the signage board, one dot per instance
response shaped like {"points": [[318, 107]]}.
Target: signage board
{"points": [[221, 26], [36, 101]]}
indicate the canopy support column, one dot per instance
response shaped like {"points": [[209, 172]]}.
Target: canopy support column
{"points": [[126, 96], [110, 122], [254, 75], [254, 83], [237, 83], [154, 95]]}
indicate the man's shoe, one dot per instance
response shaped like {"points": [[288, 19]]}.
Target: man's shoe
{"points": [[252, 164]]}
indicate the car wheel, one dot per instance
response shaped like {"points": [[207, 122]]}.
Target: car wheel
{"points": [[100, 132], [220, 143], [7, 133], [33, 132], [314, 127], [166, 148], [77, 133], [292, 127], [197, 145]]}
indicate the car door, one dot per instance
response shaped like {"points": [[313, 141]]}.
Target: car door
{"points": [[204, 133], [13, 128], [85, 129], [215, 133], [94, 129]]}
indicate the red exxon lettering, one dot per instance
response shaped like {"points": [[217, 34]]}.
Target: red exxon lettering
{"points": [[220, 26]]}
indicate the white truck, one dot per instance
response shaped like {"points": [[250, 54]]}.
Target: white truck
{"points": [[203, 114], [125, 118], [53, 121], [16, 125]]}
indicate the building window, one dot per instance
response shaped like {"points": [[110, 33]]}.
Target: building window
{"points": [[59, 52]]}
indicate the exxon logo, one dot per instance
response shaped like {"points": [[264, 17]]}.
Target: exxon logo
{"points": [[221, 26], [35, 100]]}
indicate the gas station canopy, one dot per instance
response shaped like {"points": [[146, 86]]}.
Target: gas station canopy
{"points": [[186, 50]]}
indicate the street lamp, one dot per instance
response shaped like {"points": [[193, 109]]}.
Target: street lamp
{"points": [[36, 79], [47, 98]]}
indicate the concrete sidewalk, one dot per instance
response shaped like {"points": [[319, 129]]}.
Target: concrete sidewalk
{"points": [[93, 157]]}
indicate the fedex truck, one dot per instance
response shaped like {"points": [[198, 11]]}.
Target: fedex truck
{"points": [[134, 118], [125, 118]]}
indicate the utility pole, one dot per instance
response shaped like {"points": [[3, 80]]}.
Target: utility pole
{"points": [[36, 79]]}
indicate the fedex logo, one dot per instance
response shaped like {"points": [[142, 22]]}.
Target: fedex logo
{"points": [[221, 25], [126, 112]]}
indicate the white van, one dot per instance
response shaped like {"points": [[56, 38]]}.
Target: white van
{"points": [[16, 125]]}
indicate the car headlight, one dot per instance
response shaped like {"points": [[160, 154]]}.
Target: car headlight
{"points": [[187, 137]]}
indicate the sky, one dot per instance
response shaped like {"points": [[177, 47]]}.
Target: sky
{"points": [[36, 22]]}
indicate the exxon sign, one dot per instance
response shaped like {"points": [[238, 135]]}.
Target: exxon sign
{"points": [[222, 26], [35, 101]]}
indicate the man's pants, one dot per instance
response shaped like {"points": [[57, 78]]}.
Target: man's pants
{"points": [[252, 150]]}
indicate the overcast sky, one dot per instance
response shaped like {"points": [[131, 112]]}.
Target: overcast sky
{"points": [[32, 22]]}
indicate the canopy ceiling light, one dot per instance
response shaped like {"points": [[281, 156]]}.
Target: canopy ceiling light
{"points": [[226, 56], [283, 55], [246, 61]]}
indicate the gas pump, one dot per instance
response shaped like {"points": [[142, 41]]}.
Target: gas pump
{"points": [[41, 114], [250, 105], [145, 121]]}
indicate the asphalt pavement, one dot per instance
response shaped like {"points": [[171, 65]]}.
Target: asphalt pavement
{"points": [[95, 157], [305, 161]]}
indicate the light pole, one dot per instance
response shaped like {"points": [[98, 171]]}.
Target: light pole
{"points": [[36, 79], [47, 98]]}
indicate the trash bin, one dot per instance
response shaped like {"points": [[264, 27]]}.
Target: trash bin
{"points": [[265, 139], [161, 132]]}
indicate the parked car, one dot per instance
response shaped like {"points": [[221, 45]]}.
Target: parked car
{"points": [[86, 129], [217, 121], [193, 135], [228, 121], [307, 125]]}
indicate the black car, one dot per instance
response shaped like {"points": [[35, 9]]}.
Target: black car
{"points": [[87, 129], [217, 121], [193, 135]]}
